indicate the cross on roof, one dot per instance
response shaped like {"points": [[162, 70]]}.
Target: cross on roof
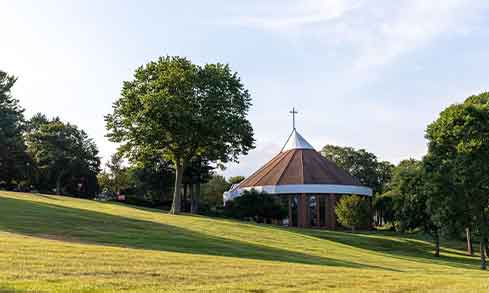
{"points": [[293, 112]]}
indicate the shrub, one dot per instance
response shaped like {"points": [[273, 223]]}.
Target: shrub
{"points": [[353, 212], [255, 205]]}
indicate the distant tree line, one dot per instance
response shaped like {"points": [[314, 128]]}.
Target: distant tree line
{"points": [[175, 122], [446, 193], [43, 154]]}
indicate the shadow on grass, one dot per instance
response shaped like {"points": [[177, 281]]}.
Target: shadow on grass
{"points": [[4, 289], [405, 248], [78, 225]]}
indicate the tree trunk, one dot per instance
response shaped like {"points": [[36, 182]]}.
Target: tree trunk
{"points": [[177, 195], [58, 183], [483, 231], [468, 235], [194, 208], [185, 197], [487, 247], [483, 253], [437, 244]]}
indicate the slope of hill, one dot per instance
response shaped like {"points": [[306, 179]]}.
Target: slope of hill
{"points": [[60, 244]]}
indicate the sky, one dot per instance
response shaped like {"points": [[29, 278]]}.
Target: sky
{"points": [[365, 74]]}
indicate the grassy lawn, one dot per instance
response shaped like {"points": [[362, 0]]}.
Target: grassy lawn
{"points": [[60, 244]]}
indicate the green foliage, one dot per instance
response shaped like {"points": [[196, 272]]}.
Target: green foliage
{"points": [[353, 212], [116, 179], [362, 165], [258, 206], [150, 182], [458, 152], [213, 190], [406, 188], [384, 206], [14, 162], [182, 111], [65, 157], [235, 179]]}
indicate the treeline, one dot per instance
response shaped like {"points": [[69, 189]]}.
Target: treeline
{"points": [[43, 154], [49, 155], [175, 122], [446, 193]]}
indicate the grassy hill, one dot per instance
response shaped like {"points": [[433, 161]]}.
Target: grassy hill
{"points": [[60, 244]]}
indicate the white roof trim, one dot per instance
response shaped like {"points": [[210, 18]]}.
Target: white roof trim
{"points": [[302, 188], [296, 141]]}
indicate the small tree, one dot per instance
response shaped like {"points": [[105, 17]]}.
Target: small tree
{"points": [[212, 191], [353, 212]]}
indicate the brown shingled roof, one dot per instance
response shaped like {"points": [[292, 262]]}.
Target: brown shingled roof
{"points": [[299, 166]]}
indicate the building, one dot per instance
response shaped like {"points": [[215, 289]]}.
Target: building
{"points": [[309, 184]]}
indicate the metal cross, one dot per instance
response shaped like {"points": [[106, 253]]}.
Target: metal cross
{"points": [[293, 112]]}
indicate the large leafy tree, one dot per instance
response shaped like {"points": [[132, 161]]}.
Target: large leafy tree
{"points": [[63, 154], [415, 197], [459, 149], [181, 111], [13, 158]]}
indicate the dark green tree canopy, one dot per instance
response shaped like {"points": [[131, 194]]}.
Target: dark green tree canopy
{"points": [[235, 179], [13, 157], [182, 111], [353, 212], [360, 164], [255, 205], [459, 150], [61, 151]]}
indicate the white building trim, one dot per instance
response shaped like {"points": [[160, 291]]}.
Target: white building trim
{"points": [[302, 188]]}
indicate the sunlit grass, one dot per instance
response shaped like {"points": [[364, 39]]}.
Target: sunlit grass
{"points": [[61, 244]]}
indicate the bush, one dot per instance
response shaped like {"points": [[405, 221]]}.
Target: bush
{"points": [[353, 212], [257, 206]]}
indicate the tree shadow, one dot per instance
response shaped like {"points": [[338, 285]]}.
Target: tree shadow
{"points": [[77, 225], [402, 247], [4, 289]]}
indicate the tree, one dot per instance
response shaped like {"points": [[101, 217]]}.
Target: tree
{"points": [[459, 148], [63, 153], [360, 164], [181, 111], [213, 190], [13, 158], [353, 211], [255, 205], [118, 173], [150, 181], [416, 200], [235, 179]]}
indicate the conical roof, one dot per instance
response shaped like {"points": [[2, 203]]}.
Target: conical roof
{"points": [[296, 141], [299, 168]]}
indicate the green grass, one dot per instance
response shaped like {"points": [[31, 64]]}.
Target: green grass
{"points": [[61, 244]]}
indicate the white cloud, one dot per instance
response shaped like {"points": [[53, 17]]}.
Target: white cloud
{"points": [[299, 14], [376, 34]]}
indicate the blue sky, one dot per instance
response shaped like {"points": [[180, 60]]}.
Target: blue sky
{"points": [[367, 74]]}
